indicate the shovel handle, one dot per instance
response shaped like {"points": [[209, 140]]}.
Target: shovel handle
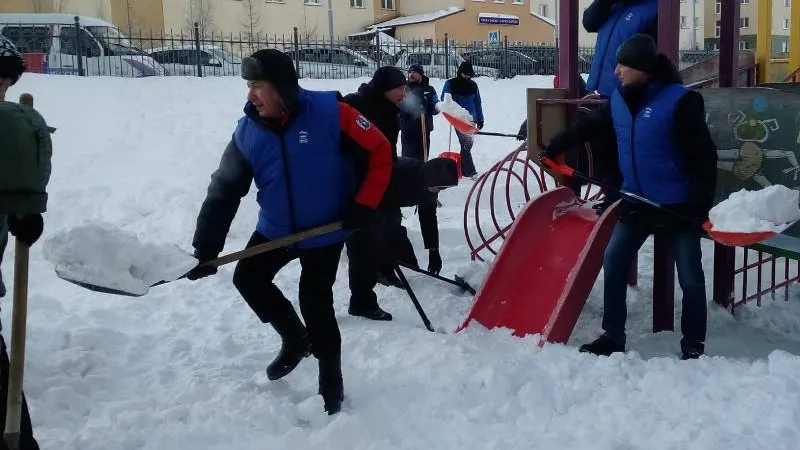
{"points": [[17, 357], [277, 243]]}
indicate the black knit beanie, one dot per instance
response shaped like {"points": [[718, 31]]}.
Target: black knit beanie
{"points": [[276, 68], [639, 52], [12, 64], [466, 68], [387, 78]]}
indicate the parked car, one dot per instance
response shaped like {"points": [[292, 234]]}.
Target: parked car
{"points": [[182, 60], [508, 63], [98, 45], [547, 59], [435, 62], [331, 63]]}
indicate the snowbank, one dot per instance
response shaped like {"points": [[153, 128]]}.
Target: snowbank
{"points": [[103, 255], [772, 208]]}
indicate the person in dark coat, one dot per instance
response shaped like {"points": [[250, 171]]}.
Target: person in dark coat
{"points": [[384, 240], [420, 101], [465, 92], [299, 147], [666, 155], [614, 21], [24, 174], [379, 100]]}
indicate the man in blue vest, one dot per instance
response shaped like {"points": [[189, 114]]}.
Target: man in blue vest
{"points": [[666, 155], [297, 146], [614, 21]]}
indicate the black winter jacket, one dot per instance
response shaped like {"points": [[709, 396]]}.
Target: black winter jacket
{"points": [[692, 139], [378, 110], [420, 94], [407, 189]]}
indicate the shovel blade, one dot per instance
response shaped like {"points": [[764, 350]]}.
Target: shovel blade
{"points": [[106, 289], [460, 125], [734, 239]]}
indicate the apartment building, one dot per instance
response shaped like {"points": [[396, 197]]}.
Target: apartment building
{"points": [[468, 21], [692, 24], [748, 21]]}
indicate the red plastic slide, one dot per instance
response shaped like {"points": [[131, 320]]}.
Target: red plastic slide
{"points": [[545, 269]]}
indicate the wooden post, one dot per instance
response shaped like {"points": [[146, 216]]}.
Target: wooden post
{"points": [[568, 47], [663, 258], [725, 257], [764, 41]]}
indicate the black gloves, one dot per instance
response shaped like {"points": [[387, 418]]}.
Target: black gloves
{"points": [[27, 228], [479, 124], [357, 216], [434, 261], [200, 270]]}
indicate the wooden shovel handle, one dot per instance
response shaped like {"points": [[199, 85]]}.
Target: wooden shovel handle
{"points": [[277, 243], [17, 358]]}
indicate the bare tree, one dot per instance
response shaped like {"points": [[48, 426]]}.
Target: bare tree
{"points": [[60, 5], [202, 12], [251, 23], [39, 5], [101, 10], [307, 33]]}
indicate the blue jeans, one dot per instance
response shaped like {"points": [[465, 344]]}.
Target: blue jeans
{"points": [[623, 247], [467, 166]]}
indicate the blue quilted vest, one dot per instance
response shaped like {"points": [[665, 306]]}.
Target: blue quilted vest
{"points": [[303, 179], [623, 22], [649, 160]]}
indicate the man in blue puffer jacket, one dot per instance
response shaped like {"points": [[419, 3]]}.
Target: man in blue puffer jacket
{"points": [[666, 155], [298, 147], [614, 21], [465, 92]]}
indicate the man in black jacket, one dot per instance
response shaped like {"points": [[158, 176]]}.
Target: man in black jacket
{"points": [[384, 241], [666, 155], [420, 102], [379, 100]]}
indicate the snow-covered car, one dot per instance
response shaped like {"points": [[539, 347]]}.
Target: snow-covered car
{"points": [[331, 63], [435, 62], [182, 60]]}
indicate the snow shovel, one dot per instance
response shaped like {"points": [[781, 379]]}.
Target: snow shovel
{"points": [[458, 281], [222, 260], [414, 300], [730, 239], [465, 127], [17, 358]]}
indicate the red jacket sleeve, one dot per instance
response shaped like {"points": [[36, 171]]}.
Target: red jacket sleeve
{"points": [[379, 151]]}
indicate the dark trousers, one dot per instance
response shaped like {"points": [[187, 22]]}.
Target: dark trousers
{"points": [[3, 243], [467, 165], [413, 146], [26, 439], [375, 250], [622, 248], [254, 277]]}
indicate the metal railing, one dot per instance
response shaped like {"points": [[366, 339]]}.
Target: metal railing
{"points": [[87, 50]]}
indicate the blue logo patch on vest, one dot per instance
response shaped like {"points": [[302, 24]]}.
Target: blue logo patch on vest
{"points": [[363, 122]]}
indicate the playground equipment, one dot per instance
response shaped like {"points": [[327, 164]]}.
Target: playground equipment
{"points": [[752, 129]]}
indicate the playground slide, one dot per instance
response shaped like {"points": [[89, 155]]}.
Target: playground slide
{"points": [[545, 269]]}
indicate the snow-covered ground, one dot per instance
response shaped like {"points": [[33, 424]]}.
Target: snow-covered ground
{"points": [[183, 367]]}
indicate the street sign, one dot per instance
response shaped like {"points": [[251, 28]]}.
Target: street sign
{"points": [[494, 37]]}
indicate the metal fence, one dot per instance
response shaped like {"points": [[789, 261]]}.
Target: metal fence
{"points": [[86, 50]]}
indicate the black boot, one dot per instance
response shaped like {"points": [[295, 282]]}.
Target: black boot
{"points": [[331, 386], [294, 348], [372, 313], [603, 346]]}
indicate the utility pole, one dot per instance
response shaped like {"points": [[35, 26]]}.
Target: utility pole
{"points": [[330, 21]]}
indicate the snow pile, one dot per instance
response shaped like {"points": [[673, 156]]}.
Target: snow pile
{"points": [[103, 255], [772, 208], [449, 106]]}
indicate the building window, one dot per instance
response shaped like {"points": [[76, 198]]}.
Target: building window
{"points": [[543, 11], [787, 3], [786, 24], [387, 4], [356, 3], [718, 29], [311, 2], [785, 47], [742, 45], [745, 2], [697, 22], [718, 8], [744, 22], [683, 22]]}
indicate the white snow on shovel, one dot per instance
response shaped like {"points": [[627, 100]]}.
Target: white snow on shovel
{"points": [[103, 255]]}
